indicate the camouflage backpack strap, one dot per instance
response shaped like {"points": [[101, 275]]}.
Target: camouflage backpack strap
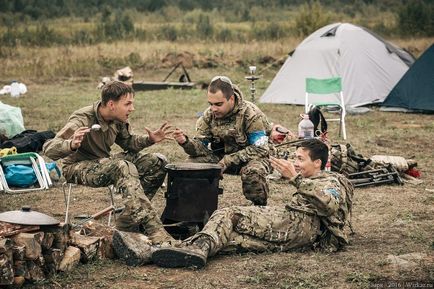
{"points": [[339, 158], [344, 157]]}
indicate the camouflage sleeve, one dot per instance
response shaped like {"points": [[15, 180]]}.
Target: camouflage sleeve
{"points": [[60, 146], [324, 194], [198, 146], [130, 142], [257, 140]]}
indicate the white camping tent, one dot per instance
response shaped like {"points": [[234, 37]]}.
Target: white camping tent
{"points": [[369, 66]]}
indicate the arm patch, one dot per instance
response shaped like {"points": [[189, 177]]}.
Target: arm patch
{"points": [[257, 138]]}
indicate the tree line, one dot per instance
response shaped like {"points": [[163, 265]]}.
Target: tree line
{"points": [[112, 19]]}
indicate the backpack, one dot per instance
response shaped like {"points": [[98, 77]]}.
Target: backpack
{"points": [[28, 141], [345, 160]]}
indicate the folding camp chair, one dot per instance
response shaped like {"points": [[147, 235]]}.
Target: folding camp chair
{"points": [[327, 86], [35, 161]]}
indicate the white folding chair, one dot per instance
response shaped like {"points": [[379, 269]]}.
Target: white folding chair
{"points": [[320, 87], [35, 161]]}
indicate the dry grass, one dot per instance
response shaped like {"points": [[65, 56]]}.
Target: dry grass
{"points": [[66, 62], [387, 220]]}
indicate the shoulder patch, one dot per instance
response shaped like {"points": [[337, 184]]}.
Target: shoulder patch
{"points": [[332, 191], [257, 138]]}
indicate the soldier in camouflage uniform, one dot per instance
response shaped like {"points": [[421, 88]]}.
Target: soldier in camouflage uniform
{"points": [[316, 216], [233, 133], [86, 158]]}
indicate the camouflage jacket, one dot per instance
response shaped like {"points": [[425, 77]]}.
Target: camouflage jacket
{"points": [[239, 137], [96, 144], [329, 196]]}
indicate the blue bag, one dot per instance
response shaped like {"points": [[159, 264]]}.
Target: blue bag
{"points": [[23, 176]]}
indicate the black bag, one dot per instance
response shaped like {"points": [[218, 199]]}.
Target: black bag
{"points": [[28, 141], [317, 118]]}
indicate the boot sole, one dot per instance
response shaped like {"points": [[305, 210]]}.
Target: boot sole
{"points": [[176, 258], [123, 251]]}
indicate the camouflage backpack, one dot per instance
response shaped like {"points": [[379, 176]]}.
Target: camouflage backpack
{"points": [[344, 159]]}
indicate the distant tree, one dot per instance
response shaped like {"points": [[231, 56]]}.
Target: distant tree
{"points": [[310, 17], [416, 18], [204, 27]]}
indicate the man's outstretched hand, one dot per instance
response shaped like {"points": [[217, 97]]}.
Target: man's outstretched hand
{"points": [[160, 134], [284, 167]]}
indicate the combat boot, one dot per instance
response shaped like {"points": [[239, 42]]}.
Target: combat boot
{"points": [[160, 236], [133, 248], [189, 256]]}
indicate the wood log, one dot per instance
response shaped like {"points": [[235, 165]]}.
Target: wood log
{"points": [[70, 259], [19, 252], [47, 241], [6, 270], [35, 270], [52, 257], [8, 229], [20, 268], [18, 281], [32, 243], [105, 233], [61, 235], [88, 246], [6, 248], [5, 245]]}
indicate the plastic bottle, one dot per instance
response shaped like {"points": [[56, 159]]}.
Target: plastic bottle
{"points": [[15, 89], [305, 128]]}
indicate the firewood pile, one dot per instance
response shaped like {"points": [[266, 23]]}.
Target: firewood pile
{"points": [[30, 253]]}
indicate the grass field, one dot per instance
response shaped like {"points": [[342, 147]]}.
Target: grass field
{"points": [[388, 220]]}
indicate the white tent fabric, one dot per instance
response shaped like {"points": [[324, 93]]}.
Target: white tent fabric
{"points": [[368, 68]]}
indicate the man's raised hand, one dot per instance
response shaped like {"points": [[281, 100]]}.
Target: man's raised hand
{"points": [[160, 134]]}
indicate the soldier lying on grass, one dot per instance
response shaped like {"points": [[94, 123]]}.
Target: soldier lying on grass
{"points": [[316, 216]]}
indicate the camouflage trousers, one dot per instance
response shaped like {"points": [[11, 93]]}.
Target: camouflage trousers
{"points": [[259, 229], [253, 176], [136, 176]]}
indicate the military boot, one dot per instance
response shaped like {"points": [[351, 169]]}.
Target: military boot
{"points": [[133, 248], [190, 256], [159, 236]]}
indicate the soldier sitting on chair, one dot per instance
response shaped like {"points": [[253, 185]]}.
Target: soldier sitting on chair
{"points": [[87, 159]]}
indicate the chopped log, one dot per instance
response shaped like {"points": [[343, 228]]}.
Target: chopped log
{"points": [[6, 248], [19, 252], [52, 257], [5, 245], [70, 259], [8, 229], [6, 270], [31, 241], [35, 270], [18, 281], [105, 233], [88, 246], [47, 241], [61, 235], [20, 268]]}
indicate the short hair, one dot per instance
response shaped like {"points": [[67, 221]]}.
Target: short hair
{"points": [[114, 91], [222, 83], [317, 150]]}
